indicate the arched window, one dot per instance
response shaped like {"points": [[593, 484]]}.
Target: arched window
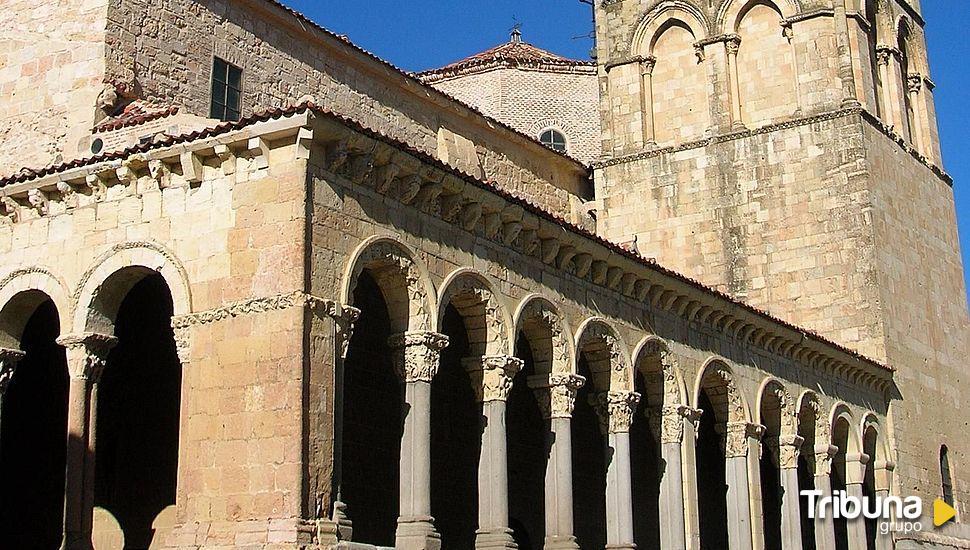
{"points": [[553, 139], [945, 474]]}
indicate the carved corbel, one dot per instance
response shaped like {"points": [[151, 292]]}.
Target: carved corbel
{"points": [[9, 209], [258, 148], [191, 167], [510, 232], [39, 201], [613, 276], [360, 168], [68, 194], [410, 187], [470, 214], [451, 206], [549, 250], [530, 241], [493, 223], [159, 173], [385, 176], [226, 158], [582, 264]]}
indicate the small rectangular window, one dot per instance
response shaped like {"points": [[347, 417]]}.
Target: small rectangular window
{"points": [[226, 90]]}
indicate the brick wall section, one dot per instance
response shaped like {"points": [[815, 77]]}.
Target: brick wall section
{"points": [[165, 51], [532, 100], [51, 67]]}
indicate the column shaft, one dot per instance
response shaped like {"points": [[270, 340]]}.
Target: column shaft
{"points": [[493, 481], [619, 493], [733, 46], [856, 528], [559, 486], [646, 94], [883, 541], [416, 361], [738, 503], [672, 532], [824, 527], [791, 528]]}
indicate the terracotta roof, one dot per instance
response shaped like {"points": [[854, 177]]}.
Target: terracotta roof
{"points": [[513, 53], [277, 113], [135, 113]]}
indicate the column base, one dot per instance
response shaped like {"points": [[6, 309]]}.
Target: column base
{"points": [[416, 534], [621, 546], [498, 538], [559, 542]]}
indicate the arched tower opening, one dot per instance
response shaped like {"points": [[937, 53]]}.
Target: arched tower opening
{"points": [[33, 429], [138, 403]]}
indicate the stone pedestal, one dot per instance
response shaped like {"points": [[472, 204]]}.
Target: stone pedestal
{"points": [[416, 358], [86, 358]]}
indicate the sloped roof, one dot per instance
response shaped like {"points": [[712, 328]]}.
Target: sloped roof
{"points": [[514, 53], [135, 113]]}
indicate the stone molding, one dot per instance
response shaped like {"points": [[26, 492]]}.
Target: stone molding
{"points": [[492, 376], [556, 393], [8, 365], [87, 354], [615, 410], [416, 354]]}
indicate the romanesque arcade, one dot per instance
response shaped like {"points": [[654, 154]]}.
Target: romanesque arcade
{"points": [[491, 421]]}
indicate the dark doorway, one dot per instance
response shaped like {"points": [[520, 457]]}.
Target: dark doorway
{"points": [[34, 438], [806, 482], [456, 442], [645, 462], [711, 483], [528, 453], [771, 497], [138, 414], [372, 422], [589, 466]]}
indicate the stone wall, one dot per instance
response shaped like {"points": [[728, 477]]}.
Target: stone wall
{"points": [[165, 51], [51, 71], [778, 219], [532, 100], [922, 298]]}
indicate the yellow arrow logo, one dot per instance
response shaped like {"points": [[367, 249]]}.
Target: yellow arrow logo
{"points": [[942, 512]]}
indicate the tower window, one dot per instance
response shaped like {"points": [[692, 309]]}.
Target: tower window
{"points": [[554, 140], [945, 474], [226, 90]]}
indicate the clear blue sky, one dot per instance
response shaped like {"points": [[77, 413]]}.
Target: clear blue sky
{"points": [[423, 34]]}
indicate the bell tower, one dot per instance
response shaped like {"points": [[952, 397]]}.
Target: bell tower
{"points": [[786, 152]]}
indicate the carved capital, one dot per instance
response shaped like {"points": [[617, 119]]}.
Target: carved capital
{"points": [[416, 354], [87, 354], [735, 436], [823, 458], [733, 44], [672, 422], [914, 83], [556, 393], [615, 410], [647, 65], [789, 446], [699, 52], [344, 318], [492, 375], [8, 364]]}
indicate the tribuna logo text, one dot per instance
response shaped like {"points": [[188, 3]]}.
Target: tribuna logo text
{"points": [[897, 514]]}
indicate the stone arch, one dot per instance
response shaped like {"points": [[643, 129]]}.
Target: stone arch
{"points": [[104, 286], [404, 282], [841, 413], [653, 357], [718, 380], [870, 426], [541, 321], [813, 423], [773, 393], [730, 14], [21, 292], [607, 354], [657, 20], [488, 321]]}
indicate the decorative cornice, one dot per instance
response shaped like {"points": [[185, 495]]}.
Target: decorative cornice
{"points": [[256, 306]]}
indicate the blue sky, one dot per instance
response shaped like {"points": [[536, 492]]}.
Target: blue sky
{"points": [[423, 34]]}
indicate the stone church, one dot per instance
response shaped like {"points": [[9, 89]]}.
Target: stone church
{"points": [[261, 289]]}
